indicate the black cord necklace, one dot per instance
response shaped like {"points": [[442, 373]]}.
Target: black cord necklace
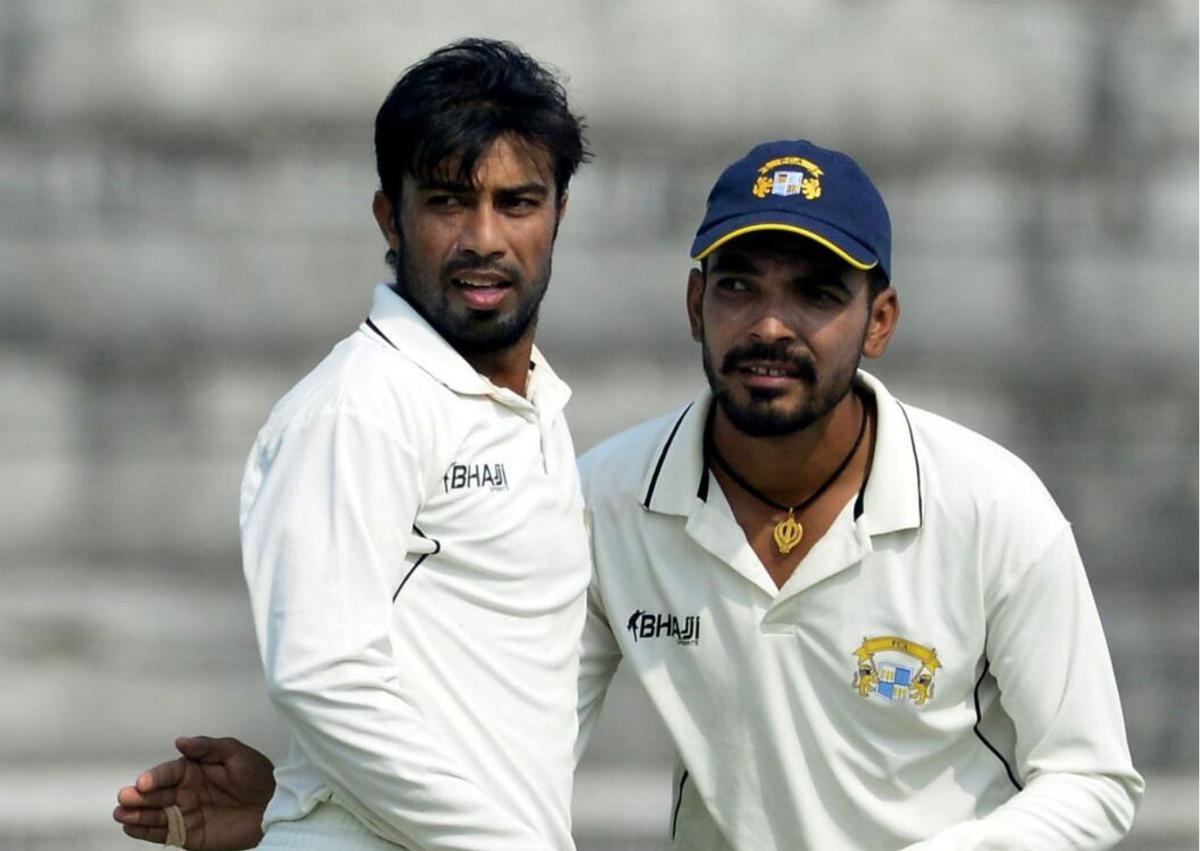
{"points": [[788, 531]]}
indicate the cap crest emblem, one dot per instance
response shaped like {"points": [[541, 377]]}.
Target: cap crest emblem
{"points": [[789, 182]]}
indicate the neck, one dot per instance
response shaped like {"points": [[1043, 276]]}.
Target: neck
{"points": [[508, 367], [789, 467]]}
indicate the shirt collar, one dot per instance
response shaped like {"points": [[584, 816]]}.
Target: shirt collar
{"points": [[677, 476], [892, 500], [545, 389], [395, 320]]}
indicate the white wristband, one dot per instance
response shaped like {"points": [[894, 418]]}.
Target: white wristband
{"points": [[176, 831]]}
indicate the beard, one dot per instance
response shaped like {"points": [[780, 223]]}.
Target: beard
{"points": [[761, 416], [476, 331]]}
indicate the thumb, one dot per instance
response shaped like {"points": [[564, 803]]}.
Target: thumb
{"points": [[194, 747]]}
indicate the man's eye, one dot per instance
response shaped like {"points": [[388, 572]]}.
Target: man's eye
{"points": [[443, 201], [825, 295], [733, 285], [520, 204]]}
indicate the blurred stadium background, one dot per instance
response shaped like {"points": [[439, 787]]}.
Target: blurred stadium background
{"points": [[185, 230]]}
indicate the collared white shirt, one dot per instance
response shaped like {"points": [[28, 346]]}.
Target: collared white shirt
{"points": [[933, 675], [417, 562]]}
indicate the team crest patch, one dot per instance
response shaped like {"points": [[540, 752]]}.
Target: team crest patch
{"points": [[774, 178], [895, 669]]}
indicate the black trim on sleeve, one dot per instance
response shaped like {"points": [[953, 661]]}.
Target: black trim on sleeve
{"points": [[916, 463], [663, 457], [384, 336], [979, 720], [437, 548], [678, 803]]}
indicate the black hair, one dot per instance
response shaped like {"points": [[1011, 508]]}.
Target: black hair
{"points": [[877, 282], [445, 112]]}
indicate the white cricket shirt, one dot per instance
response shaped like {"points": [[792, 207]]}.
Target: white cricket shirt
{"points": [[932, 676], [417, 562]]}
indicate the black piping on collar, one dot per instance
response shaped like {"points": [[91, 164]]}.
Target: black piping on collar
{"points": [[917, 464], [384, 336], [702, 489], [860, 500], [386, 339], [706, 442], [662, 456]]}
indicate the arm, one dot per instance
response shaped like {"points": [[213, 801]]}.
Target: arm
{"points": [[1048, 655], [327, 515], [598, 660], [220, 786]]}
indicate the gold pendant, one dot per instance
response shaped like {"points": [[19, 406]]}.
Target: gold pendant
{"points": [[788, 533]]}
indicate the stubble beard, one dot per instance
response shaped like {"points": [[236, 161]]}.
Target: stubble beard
{"points": [[758, 417], [479, 331]]}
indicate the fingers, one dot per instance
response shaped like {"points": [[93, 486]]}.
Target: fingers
{"points": [[163, 775], [208, 749], [149, 834], [194, 747], [130, 796], [141, 818]]}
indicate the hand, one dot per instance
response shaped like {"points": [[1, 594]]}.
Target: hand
{"points": [[221, 787]]}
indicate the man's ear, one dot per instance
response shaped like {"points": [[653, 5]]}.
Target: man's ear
{"points": [[385, 217], [560, 211], [695, 303], [881, 323]]}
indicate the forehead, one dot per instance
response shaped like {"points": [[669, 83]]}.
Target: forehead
{"points": [[777, 247], [507, 161]]}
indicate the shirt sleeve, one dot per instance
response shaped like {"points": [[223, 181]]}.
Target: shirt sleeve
{"points": [[327, 514], [1047, 652], [598, 660]]}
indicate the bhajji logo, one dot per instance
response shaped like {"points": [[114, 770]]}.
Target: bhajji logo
{"points": [[461, 476], [895, 669], [685, 630], [773, 179]]}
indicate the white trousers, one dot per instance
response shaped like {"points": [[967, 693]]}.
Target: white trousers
{"points": [[326, 828]]}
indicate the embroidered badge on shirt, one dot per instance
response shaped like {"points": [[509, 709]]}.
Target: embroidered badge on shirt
{"points": [[785, 182], [895, 669], [649, 625], [460, 476]]}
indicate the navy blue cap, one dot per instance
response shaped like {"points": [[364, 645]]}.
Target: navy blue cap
{"points": [[798, 187]]}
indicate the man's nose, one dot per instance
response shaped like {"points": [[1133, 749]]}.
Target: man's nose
{"points": [[772, 324], [483, 233]]}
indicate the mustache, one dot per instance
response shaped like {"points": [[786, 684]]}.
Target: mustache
{"points": [[456, 266], [779, 353]]}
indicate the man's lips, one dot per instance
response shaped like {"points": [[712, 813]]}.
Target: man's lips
{"points": [[768, 374], [482, 290]]}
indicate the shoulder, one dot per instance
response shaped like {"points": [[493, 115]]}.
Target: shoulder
{"points": [[964, 471], [364, 380], [963, 455], [619, 465]]}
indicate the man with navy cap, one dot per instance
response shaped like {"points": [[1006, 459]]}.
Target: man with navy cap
{"points": [[864, 626]]}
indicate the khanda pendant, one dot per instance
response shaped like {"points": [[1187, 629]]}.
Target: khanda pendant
{"points": [[788, 533]]}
